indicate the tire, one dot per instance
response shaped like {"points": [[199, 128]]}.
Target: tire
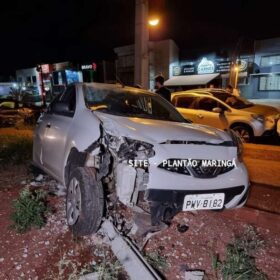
{"points": [[84, 202], [244, 132]]}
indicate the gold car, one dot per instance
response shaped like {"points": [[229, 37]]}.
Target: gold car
{"points": [[218, 108]]}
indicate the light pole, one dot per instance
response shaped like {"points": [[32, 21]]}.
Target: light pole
{"points": [[42, 85], [141, 56], [236, 70]]}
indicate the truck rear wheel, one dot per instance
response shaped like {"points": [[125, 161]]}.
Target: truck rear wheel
{"points": [[84, 202]]}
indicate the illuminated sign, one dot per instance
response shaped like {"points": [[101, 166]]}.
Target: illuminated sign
{"points": [[205, 66], [176, 70], [89, 66], [242, 65]]}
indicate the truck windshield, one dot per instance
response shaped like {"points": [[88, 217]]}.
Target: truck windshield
{"points": [[130, 103]]}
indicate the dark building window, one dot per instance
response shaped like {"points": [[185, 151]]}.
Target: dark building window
{"points": [[270, 60], [269, 82]]}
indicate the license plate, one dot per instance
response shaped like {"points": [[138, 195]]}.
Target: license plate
{"points": [[203, 201]]}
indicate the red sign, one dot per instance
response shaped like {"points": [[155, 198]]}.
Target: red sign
{"points": [[46, 68]]}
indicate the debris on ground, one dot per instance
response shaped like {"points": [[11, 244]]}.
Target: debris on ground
{"points": [[194, 275], [42, 253], [182, 228], [45, 182]]}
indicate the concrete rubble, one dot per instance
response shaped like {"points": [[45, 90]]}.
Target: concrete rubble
{"points": [[194, 275]]}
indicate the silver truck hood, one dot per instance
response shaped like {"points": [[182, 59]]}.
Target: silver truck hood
{"points": [[158, 131]]}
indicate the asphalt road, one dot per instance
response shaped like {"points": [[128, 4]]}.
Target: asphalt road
{"points": [[269, 140]]}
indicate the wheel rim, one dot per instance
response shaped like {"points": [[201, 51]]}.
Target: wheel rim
{"points": [[73, 207], [243, 134]]}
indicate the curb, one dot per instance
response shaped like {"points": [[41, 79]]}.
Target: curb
{"points": [[256, 217]]}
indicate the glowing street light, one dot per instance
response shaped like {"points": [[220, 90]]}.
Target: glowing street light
{"points": [[236, 69], [154, 21]]}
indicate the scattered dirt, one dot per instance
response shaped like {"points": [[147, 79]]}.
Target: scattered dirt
{"points": [[7, 131], [207, 236], [52, 252]]}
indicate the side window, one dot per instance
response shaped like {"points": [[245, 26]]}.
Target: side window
{"points": [[207, 104], [185, 102], [222, 106], [68, 100]]}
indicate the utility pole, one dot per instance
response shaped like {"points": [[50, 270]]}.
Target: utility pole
{"points": [[42, 86], [141, 56], [234, 69]]}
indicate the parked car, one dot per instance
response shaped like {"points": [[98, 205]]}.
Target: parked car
{"points": [[218, 108], [110, 143], [13, 112]]}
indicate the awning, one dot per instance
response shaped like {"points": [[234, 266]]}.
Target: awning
{"points": [[191, 80]]}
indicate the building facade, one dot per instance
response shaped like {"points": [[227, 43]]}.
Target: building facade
{"points": [[209, 70], [47, 80], [265, 79], [162, 56]]}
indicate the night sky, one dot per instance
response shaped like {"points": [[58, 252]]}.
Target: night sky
{"points": [[52, 31]]}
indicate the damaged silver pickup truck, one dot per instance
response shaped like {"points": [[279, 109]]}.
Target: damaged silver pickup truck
{"points": [[111, 145]]}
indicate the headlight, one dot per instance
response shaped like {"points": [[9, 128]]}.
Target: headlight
{"points": [[270, 119], [258, 117], [238, 143], [127, 148], [139, 149]]}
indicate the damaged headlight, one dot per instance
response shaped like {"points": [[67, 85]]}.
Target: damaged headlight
{"points": [[127, 148], [131, 148], [238, 143]]}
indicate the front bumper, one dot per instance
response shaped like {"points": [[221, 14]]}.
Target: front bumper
{"points": [[234, 196], [164, 184], [266, 128]]}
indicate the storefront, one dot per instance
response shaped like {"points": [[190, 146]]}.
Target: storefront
{"points": [[48, 80], [205, 72]]}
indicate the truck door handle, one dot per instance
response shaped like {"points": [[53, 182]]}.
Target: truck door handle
{"points": [[48, 125], [199, 116]]}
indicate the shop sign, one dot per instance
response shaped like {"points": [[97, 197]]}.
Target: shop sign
{"points": [[91, 66], [223, 66], [207, 66], [243, 65]]}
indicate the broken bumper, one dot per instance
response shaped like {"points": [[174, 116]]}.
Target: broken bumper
{"points": [[166, 186]]}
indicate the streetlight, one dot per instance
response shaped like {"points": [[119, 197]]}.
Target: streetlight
{"points": [[153, 21], [236, 69]]}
